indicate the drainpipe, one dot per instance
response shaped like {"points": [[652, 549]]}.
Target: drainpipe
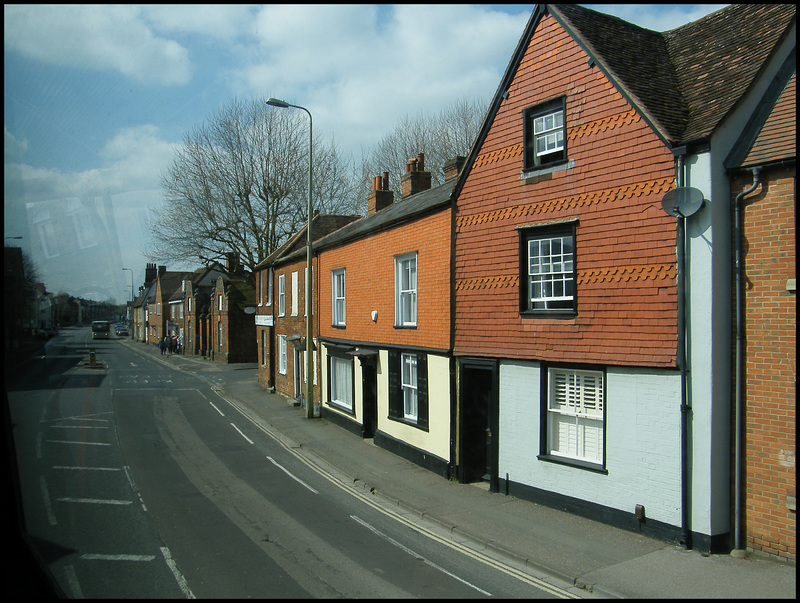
{"points": [[740, 341], [686, 532]]}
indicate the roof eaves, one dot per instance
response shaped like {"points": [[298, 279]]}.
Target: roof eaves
{"points": [[500, 94], [634, 60], [412, 208]]}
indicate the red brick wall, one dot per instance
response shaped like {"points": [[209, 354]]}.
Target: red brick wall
{"points": [[290, 325], [770, 364], [369, 277], [625, 255]]}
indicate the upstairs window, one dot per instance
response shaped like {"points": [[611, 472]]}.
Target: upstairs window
{"points": [[547, 270], [338, 293], [281, 294], [545, 134], [406, 290]]}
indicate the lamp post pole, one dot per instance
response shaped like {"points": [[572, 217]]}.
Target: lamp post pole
{"points": [[130, 316], [274, 102]]}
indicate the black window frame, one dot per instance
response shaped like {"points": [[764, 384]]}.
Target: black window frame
{"points": [[566, 309], [341, 354], [396, 400], [530, 160], [545, 424]]}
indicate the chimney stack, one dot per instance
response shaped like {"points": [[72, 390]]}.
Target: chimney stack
{"points": [[416, 179], [380, 197], [453, 167], [150, 273]]}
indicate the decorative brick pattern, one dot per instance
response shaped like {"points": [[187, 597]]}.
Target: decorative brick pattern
{"points": [[612, 189]]}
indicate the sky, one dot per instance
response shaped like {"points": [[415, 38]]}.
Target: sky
{"points": [[98, 97]]}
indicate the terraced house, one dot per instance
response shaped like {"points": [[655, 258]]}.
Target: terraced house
{"points": [[385, 319], [594, 274]]}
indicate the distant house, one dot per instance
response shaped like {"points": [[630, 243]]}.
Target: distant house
{"points": [[160, 320], [231, 330], [196, 296], [384, 316], [593, 304]]}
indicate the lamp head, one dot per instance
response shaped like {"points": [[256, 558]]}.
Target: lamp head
{"points": [[277, 103]]}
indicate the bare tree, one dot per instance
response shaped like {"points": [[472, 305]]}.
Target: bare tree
{"points": [[440, 137], [239, 184]]}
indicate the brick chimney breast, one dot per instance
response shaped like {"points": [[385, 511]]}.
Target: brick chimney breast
{"points": [[380, 197], [453, 167], [416, 179]]}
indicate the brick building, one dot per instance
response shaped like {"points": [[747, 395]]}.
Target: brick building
{"points": [[231, 329], [384, 316], [763, 197], [280, 319], [593, 318]]}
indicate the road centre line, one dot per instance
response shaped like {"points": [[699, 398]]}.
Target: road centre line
{"points": [[76, 468], [294, 477], [51, 517], [78, 442], [182, 584], [241, 434], [416, 555], [79, 427], [464, 549], [95, 501], [104, 557]]}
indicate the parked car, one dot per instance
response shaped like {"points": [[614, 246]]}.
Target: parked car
{"points": [[122, 331]]}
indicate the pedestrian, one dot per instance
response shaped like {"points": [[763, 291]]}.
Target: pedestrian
{"points": [[162, 345], [174, 344], [180, 343]]}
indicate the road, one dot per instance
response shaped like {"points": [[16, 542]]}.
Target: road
{"points": [[139, 480]]}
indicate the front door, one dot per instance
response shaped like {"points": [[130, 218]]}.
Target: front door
{"points": [[478, 423], [369, 389]]}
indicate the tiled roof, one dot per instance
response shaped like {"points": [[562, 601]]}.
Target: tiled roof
{"points": [[397, 213], [778, 138], [321, 226], [686, 80]]}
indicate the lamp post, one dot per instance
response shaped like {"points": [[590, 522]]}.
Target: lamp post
{"points": [[130, 316], [274, 102]]}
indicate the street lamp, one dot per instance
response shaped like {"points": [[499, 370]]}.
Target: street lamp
{"points": [[274, 102]]}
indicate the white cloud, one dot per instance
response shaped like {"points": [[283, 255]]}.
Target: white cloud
{"points": [[95, 37], [364, 68], [219, 21], [13, 149]]}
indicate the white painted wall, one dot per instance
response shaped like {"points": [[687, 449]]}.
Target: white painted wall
{"points": [[642, 441]]}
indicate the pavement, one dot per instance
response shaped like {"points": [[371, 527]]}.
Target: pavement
{"points": [[594, 559]]}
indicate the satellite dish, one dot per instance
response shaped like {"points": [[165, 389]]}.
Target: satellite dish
{"points": [[249, 310], [682, 201]]}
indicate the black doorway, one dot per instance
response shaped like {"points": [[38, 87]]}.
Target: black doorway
{"points": [[369, 389], [478, 415]]}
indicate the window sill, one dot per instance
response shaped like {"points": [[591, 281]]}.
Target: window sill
{"points": [[405, 326], [339, 327], [563, 314], [575, 463], [408, 422], [532, 175], [342, 408]]}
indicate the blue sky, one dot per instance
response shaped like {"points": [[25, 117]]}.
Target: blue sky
{"points": [[97, 97]]}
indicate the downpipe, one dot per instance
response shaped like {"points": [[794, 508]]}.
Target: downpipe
{"points": [[740, 344], [686, 531]]}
